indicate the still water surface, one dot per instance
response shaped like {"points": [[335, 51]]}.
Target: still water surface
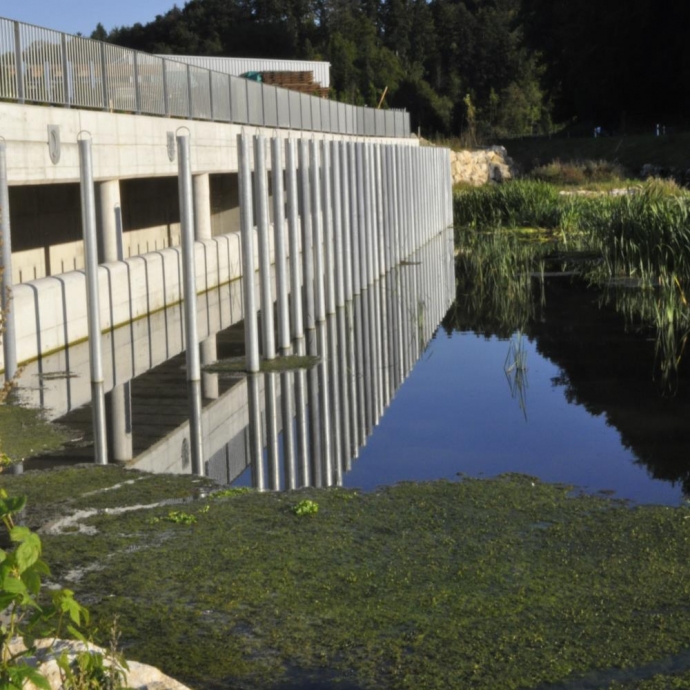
{"points": [[583, 406]]}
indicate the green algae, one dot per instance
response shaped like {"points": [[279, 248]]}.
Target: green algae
{"points": [[24, 432], [283, 363], [504, 583]]}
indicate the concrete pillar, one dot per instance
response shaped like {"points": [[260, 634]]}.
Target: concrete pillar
{"points": [[118, 405], [209, 382], [202, 206], [109, 221]]}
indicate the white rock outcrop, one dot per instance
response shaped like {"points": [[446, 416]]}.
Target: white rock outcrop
{"points": [[481, 166], [139, 676]]}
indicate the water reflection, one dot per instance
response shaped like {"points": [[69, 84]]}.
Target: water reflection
{"points": [[275, 430], [367, 350]]}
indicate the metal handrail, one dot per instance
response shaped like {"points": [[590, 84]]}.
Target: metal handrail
{"points": [[39, 65]]}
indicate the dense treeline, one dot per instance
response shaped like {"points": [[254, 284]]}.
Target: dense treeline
{"points": [[473, 67]]}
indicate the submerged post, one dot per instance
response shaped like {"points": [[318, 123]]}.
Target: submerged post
{"points": [[9, 337], [190, 317], [88, 220], [251, 334]]}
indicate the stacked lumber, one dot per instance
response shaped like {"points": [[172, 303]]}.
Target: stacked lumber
{"points": [[295, 81]]}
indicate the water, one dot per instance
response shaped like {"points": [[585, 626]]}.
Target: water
{"points": [[571, 398]]}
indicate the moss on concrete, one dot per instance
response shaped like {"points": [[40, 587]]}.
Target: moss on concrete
{"points": [[505, 583], [285, 363]]}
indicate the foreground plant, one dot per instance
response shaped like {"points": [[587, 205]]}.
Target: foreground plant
{"points": [[28, 618]]}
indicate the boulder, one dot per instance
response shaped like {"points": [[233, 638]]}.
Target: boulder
{"points": [[138, 676]]}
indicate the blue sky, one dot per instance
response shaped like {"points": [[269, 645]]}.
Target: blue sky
{"points": [[72, 16]]}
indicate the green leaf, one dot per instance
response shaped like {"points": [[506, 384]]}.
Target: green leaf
{"points": [[28, 552], [13, 585], [9, 505], [20, 533]]}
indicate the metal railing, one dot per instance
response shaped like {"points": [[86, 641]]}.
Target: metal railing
{"points": [[40, 65]]}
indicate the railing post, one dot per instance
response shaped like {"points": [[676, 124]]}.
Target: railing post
{"points": [[9, 339], [18, 62], [189, 92], [66, 81], [137, 92], [166, 99], [210, 92], [104, 78]]}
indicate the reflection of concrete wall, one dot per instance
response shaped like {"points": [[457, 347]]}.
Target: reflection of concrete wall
{"points": [[222, 421], [50, 312]]}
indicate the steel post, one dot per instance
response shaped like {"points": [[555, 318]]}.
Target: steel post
{"points": [[186, 196], [251, 333], [262, 224], [282, 289], [9, 333], [88, 217]]}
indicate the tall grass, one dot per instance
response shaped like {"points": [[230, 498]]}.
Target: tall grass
{"points": [[643, 236], [520, 203]]}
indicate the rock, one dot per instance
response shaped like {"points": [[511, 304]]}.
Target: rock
{"points": [[481, 166], [139, 676]]}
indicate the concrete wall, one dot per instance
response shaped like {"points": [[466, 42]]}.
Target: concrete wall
{"points": [[124, 145], [51, 312]]}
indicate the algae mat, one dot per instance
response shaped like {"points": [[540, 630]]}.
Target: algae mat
{"points": [[504, 583]]}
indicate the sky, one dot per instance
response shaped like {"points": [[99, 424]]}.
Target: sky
{"points": [[72, 16]]}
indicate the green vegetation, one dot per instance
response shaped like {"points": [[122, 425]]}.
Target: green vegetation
{"points": [[498, 68], [631, 151], [639, 239], [505, 583], [28, 616], [286, 363]]}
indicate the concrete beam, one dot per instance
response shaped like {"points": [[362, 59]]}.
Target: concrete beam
{"points": [[124, 145]]}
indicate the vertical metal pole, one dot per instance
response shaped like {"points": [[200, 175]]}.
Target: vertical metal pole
{"points": [[271, 411], [186, 194], [137, 86], [343, 367], [301, 417], [356, 191], [104, 78], [338, 227], [251, 334], [256, 444], [294, 239], [333, 399], [280, 249], [360, 256], [262, 224], [317, 225], [166, 97], [328, 215], [346, 245], [307, 239], [9, 336], [18, 62], [88, 218], [287, 412], [66, 81], [323, 369], [190, 101]]}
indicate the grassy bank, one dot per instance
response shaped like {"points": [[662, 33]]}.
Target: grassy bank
{"points": [[506, 583]]}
